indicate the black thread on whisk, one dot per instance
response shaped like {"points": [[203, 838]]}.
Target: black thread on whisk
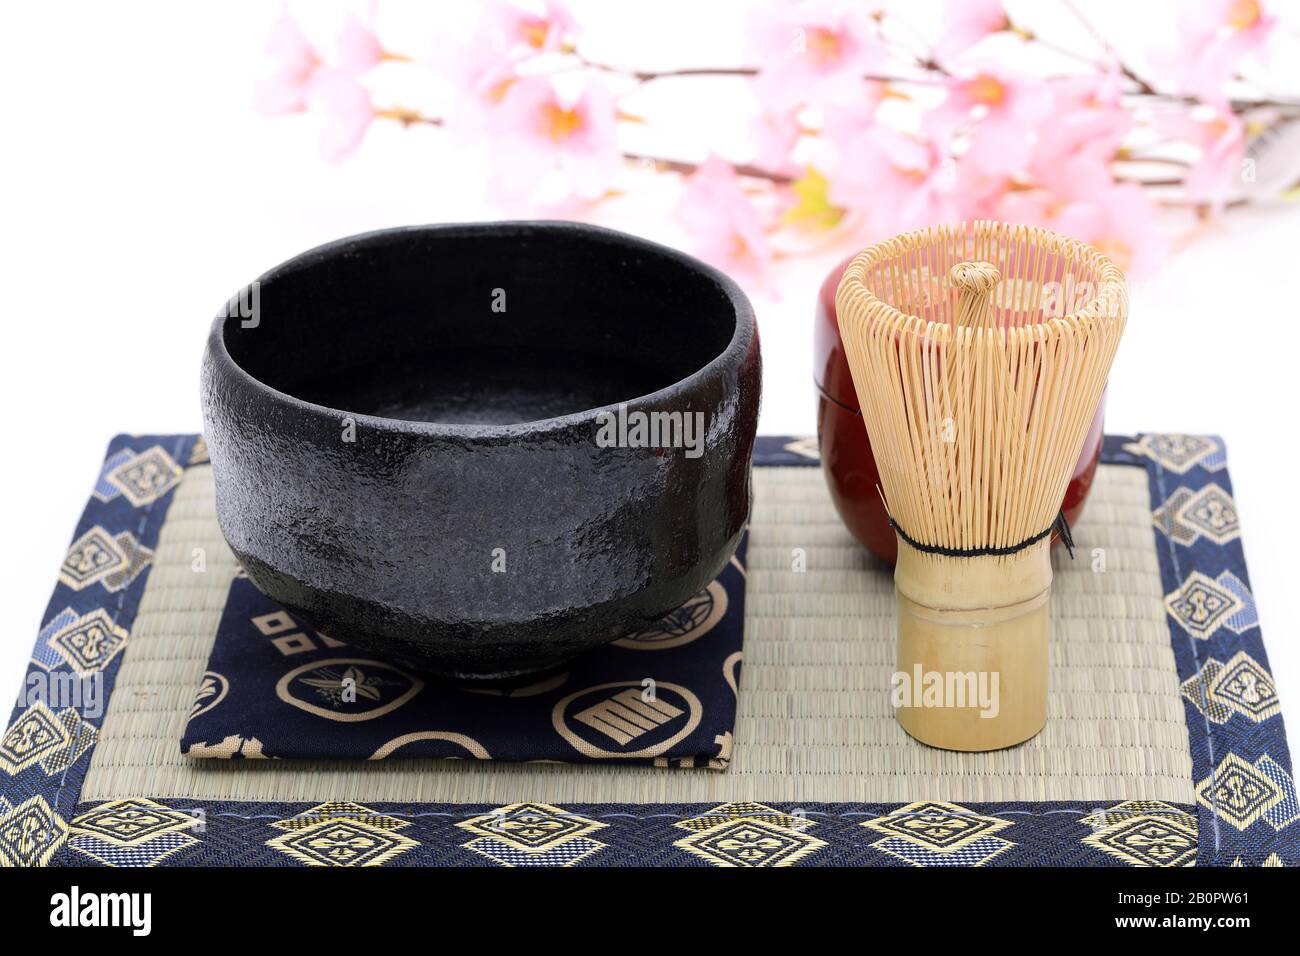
{"points": [[1060, 525]]}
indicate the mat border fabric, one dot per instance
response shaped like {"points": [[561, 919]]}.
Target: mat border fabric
{"points": [[46, 749], [1247, 811]]}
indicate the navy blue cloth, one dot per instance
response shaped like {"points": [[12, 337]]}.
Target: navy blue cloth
{"points": [[665, 695]]}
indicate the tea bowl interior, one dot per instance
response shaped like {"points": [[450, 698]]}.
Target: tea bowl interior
{"points": [[483, 338]]}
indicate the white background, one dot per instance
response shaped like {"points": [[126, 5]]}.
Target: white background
{"points": [[140, 189]]}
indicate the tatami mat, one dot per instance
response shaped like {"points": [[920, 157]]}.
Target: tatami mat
{"points": [[814, 723]]}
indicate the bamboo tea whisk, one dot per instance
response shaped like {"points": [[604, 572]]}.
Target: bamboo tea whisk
{"points": [[979, 355]]}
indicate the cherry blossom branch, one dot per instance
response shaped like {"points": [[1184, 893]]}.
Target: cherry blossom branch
{"points": [[409, 117], [1144, 88], [747, 170], [647, 76], [940, 74], [1142, 85], [686, 168]]}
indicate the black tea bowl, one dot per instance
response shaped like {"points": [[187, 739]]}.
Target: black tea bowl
{"points": [[479, 450]]}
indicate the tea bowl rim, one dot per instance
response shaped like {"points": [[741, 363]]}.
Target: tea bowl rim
{"points": [[725, 363]]}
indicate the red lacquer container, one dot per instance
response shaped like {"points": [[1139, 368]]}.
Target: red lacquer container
{"points": [[846, 456]]}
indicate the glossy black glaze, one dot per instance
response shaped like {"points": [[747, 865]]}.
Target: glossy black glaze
{"points": [[475, 430]]}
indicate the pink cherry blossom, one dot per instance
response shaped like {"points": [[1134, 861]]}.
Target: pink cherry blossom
{"points": [[474, 112], [505, 36], [1029, 207], [977, 194], [900, 182], [723, 225], [544, 131], [1000, 111], [966, 23], [345, 112], [813, 48], [1122, 224], [285, 90], [1215, 36], [1118, 220], [1221, 139], [850, 111], [515, 30], [1081, 133], [332, 89], [776, 134], [358, 48]]}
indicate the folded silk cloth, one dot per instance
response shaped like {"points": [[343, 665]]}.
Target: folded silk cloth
{"points": [[664, 696]]}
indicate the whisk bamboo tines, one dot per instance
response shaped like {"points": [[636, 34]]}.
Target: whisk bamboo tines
{"points": [[978, 381]]}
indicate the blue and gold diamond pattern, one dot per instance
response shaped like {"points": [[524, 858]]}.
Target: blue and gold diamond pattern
{"points": [[134, 832], [1243, 793], [30, 832], [1202, 605], [145, 477], [532, 834], [90, 642], [342, 834], [1188, 515], [1144, 833], [934, 833], [35, 735], [747, 834], [138, 557], [105, 490], [1181, 453], [1213, 513], [80, 735], [1240, 686], [1286, 810], [92, 557]]}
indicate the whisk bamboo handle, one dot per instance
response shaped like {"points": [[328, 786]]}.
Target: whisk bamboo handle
{"points": [[950, 625]]}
